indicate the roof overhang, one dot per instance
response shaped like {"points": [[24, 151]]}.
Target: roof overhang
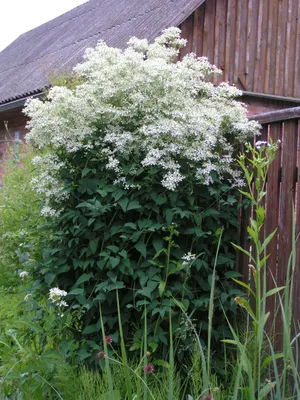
{"points": [[12, 105]]}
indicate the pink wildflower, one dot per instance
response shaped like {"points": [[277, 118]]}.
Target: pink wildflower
{"points": [[108, 339], [149, 369]]}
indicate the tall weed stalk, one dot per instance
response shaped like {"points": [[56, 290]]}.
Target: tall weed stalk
{"points": [[265, 377]]}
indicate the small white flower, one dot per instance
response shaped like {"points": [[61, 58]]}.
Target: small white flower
{"points": [[55, 295], [63, 303], [27, 296], [188, 257], [260, 143], [23, 274]]}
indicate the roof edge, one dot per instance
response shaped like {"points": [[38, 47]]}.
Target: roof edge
{"points": [[11, 105]]}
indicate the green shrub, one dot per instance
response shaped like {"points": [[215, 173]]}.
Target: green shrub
{"points": [[138, 181], [108, 238]]}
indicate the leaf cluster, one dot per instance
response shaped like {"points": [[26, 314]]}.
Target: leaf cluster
{"points": [[133, 240]]}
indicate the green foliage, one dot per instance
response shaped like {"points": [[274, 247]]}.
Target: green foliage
{"points": [[134, 240], [36, 344], [67, 79], [19, 218]]}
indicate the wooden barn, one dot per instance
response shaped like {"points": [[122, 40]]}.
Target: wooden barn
{"points": [[256, 43]]}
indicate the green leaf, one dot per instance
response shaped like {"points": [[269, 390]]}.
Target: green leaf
{"points": [[91, 220], [141, 247], [232, 274], [268, 240], [133, 205], [169, 216], [49, 278], [113, 249], [84, 172], [275, 290], [266, 390], [210, 212], [245, 285], [243, 251], [245, 304], [84, 278], [253, 234], [123, 203], [130, 225], [35, 327], [229, 341], [161, 363], [76, 291], [90, 329], [161, 199], [51, 354], [247, 195], [158, 244], [114, 261], [270, 358], [161, 287], [93, 245]]}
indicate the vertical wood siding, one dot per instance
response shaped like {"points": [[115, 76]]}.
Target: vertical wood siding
{"points": [[256, 43]]}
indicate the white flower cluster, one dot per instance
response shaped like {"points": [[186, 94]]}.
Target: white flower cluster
{"points": [[23, 275], [56, 295], [261, 143], [167, 113], [189, 257]]}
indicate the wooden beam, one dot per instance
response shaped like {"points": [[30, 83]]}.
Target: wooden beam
{"points": [[278, 115]]}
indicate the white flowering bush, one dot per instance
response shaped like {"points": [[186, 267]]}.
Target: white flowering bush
{"points": [[142, 145], [139, 102]]}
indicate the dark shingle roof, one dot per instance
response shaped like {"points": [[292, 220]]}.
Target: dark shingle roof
{"points": [[26, 64]]}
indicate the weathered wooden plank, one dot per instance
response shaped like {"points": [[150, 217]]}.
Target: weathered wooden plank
{"points": [[237, 42], [278, 115], [273, 18], [241, 72], [263, 48], [187, 33], [290, 48], [251, 41], [268, 47], [230, 41], [281, 47], [258, 46], [208, 37], [198, 30], [296, 85], [287, 197], [221, 11]]}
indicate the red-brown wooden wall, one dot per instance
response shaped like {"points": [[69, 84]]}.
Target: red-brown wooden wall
{"points": [[256, 43]]}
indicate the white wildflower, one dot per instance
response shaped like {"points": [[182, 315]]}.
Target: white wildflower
{"points": [[189, 257], [26, 298], [261, 143], [56, 294], [63, 303], [23, 274]]}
